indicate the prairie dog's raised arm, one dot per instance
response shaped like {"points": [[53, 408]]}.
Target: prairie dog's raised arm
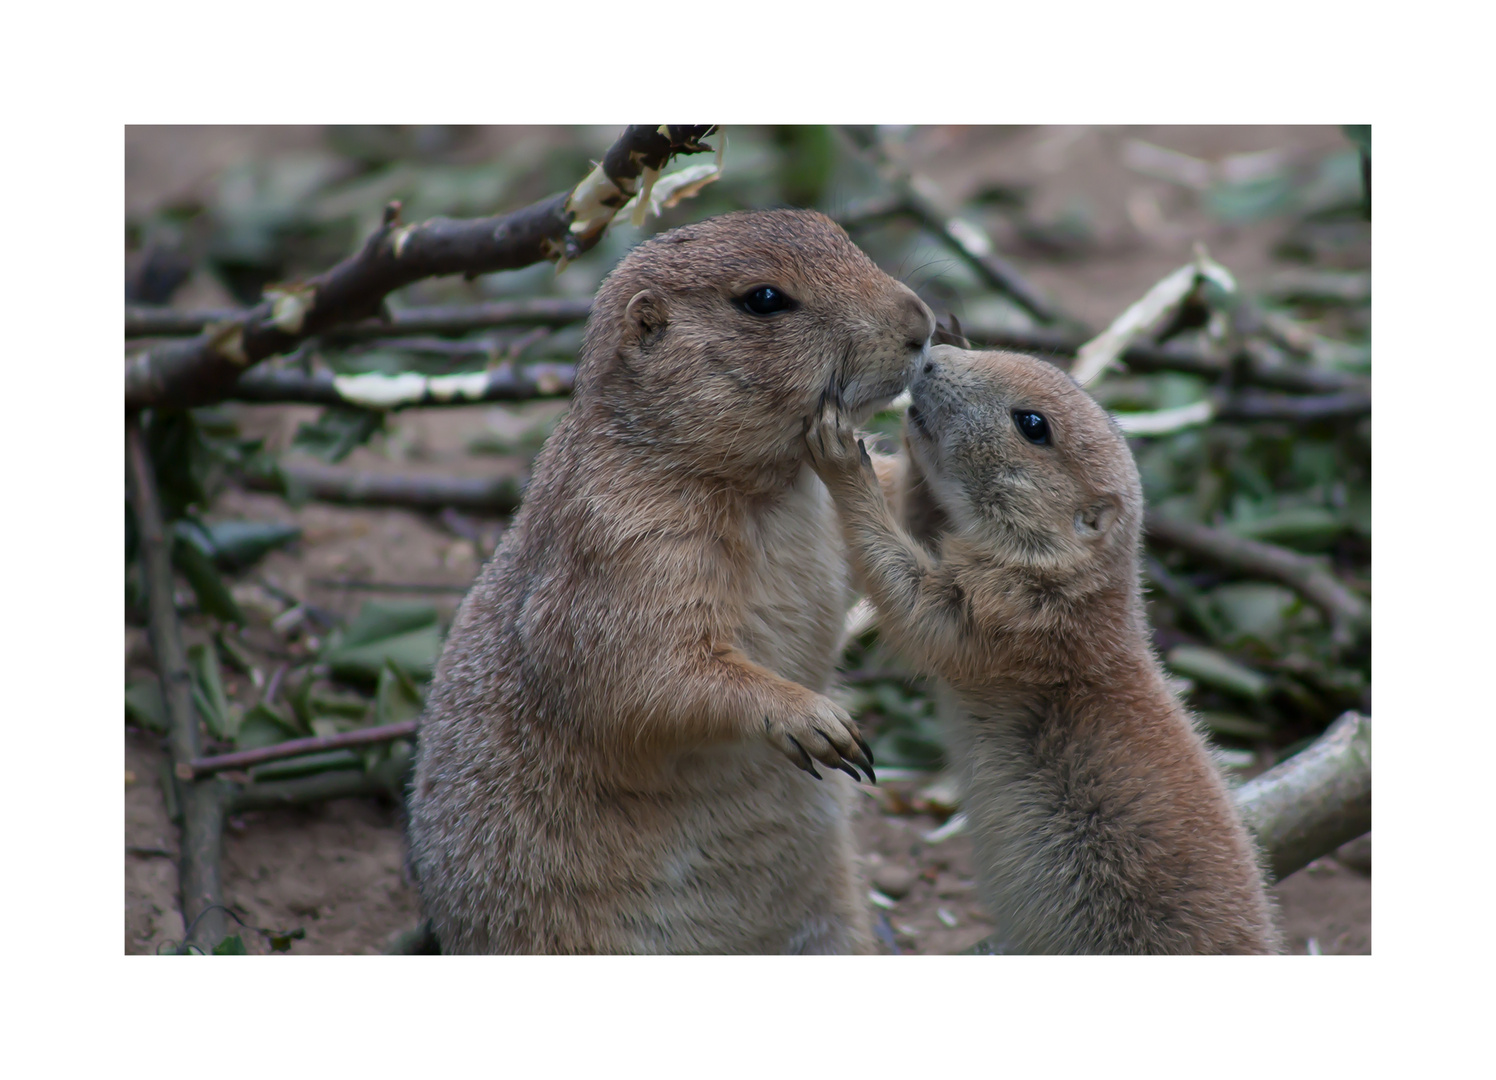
{"points": [[1099, 818]]}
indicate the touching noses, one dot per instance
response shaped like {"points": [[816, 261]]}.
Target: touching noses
{"points": [[919, 321]]}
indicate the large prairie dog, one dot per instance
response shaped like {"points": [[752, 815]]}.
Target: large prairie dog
{"points": [[1100, 821], [617, 751]]}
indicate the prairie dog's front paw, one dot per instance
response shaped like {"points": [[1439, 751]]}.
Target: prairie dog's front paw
{"points": [[836, 453], [821, 730]]}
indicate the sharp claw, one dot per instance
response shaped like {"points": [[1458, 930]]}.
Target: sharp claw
{"points": [[805, 762], [867, 462], [844, 767], [863, 759], [867, 750]]}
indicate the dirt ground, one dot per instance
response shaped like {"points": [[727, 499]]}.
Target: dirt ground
{"points": [[336, 870]]}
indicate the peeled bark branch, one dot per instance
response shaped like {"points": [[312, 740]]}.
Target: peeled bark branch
{"points": [[1349, 614], [1315, 801], [286, 386], [477, 494], [563, 226], [433, 319], [1147, 359], [202, 803]]}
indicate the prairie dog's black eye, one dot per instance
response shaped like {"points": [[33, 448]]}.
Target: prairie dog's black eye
{"points": [[1033, 426], [766, 300]]}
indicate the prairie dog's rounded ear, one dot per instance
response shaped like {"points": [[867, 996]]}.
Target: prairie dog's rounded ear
{"points": [[1095, 520], [643, 317]]}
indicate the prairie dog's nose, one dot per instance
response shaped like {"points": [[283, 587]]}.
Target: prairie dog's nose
{"points": [[934, 357], [919, 320]]}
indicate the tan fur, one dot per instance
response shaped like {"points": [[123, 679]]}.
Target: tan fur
{"points": [[608, 760], [1100, 820]]}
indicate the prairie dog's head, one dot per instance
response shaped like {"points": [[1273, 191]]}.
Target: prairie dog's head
{"points": [[1022, 459], [717, 339]]}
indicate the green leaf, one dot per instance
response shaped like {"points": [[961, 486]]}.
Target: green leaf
{"points": [[306, 765], [414, 653], [1239, 727], [397, 699], [1249, 200], [335, 434], [263, 726], [207, 690], [145, 707], [1255, 610], [237, 545], [233, 945], [1210, 668], [379, 619], [406, 635], [1309, 527], [280, 940], [212, 594], [343, 705]]}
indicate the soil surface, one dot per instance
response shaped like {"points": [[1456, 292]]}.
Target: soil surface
{"points": [[337, 870]]}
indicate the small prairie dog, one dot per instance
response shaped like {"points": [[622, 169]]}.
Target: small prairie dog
{"points": [[1100, 821], [619, 751]]}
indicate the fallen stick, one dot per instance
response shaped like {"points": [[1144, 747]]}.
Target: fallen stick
{"points": [[433, 319], [562, 227], [1349, 614], [1307, 806], [244, 759], [326, 483], [1147, 359], [1147, 314], [201, 804], [287, 386], [916, 195]]}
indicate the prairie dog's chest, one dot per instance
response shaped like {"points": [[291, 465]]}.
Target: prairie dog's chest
{"points": [[796, 590]]}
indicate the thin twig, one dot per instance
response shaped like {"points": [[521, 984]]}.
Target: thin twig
{"points": [[202, 804], [561, 227], [1349, 614], [432, 319], [245, 759], [1315, 801], [916, 195], [476, 494]]}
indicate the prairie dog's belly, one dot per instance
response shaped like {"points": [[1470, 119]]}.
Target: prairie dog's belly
{"points": [[749, 832], [751, 855], [797, 592]]}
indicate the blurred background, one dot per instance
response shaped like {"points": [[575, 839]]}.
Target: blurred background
{"points": [[310, 608]]}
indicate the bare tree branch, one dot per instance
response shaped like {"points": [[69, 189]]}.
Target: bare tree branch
{"points": [[1348, 613], [433, 319], [561, 227], [202, 804], [1245, 405], [244, 759], [1146, 359], [284, 386], [477, 494], [1315, 801]]}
